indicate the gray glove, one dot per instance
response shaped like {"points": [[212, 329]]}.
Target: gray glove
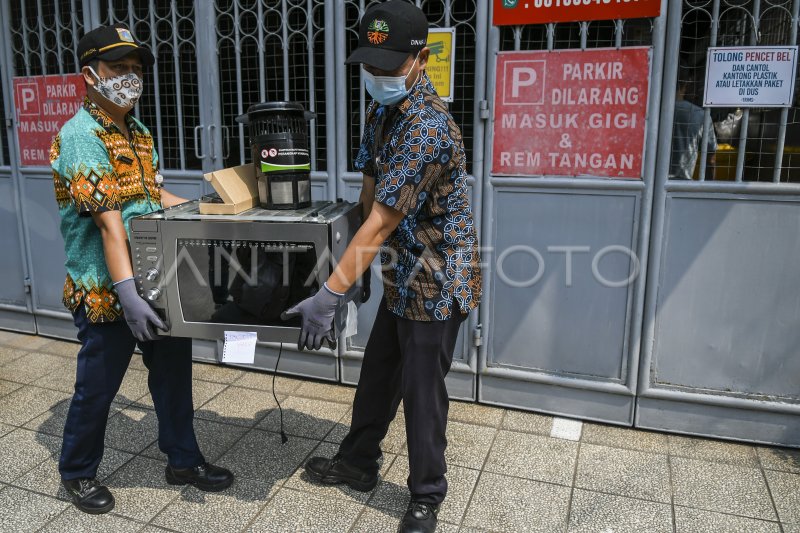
{"points": [[138, 314], [317, 314]]}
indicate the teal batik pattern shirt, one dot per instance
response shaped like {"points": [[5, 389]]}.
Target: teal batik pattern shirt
{"points": [[96, 169]]}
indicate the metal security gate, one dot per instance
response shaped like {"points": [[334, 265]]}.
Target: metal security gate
{"points": [[39, 37], [566, 343], [720, 332], [15, 300], [274, 51], [702, 337], [470, 18]]}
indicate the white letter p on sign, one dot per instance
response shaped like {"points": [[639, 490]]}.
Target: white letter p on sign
{"points": [[522, 77], [28, 96]]}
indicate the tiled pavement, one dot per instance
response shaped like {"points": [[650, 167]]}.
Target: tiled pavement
{"points": [[506, 472]]}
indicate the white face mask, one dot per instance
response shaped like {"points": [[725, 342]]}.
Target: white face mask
{"points": [[387, 90], [123, 91]]}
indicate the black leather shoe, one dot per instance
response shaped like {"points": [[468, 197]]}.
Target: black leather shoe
{"points": [[335, 471], [89, 496], [205, 477], [419, 518]]}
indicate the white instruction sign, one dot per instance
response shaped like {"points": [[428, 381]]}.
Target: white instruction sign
{"points": [[750, 76], [239, 347]]}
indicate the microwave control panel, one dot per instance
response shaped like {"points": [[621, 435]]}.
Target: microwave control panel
{"points": [[148, 264]]}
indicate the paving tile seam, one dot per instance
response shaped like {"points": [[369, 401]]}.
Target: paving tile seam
{"points": [[281, 398], [734, 515], [170, 502], [638, 499], [776, 470], [710, 510], [14, 360], [374, 492], [279, 375], [38, 493], [769, 493], [188, 488], [311, 397], [668, 453], [13, 483], [372, 495], [70, 506], [753, 465], [266, 504], [482, 470], [620, 446], [573, 484], [226, 387], [671, 494]]}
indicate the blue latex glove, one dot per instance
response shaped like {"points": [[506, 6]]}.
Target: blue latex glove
{"points": [[317, 313], [138, 314]]}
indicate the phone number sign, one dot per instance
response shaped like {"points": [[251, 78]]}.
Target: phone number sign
{"points": [[571, 113], [516, 12]]}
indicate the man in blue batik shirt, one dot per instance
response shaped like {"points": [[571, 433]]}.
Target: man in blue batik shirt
{"points": [[417, 210]]}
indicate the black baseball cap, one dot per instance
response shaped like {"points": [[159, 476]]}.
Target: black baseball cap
{"points": [[110, 43], [388, 33]]}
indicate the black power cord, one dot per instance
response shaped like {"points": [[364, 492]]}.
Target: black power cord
{"points": [[284, 438]]}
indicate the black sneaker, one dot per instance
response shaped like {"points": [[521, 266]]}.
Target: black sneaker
{"points": [[335, 471], [206, 477], [419, 518], [89, 496]]}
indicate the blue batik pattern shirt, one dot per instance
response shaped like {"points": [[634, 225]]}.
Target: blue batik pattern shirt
{"points": [[415, 153]]}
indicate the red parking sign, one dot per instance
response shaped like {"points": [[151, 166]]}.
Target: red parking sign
{"points": [[44, 104], [571, 113]]}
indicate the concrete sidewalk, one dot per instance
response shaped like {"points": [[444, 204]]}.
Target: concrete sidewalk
{"points": [[506, 471]]}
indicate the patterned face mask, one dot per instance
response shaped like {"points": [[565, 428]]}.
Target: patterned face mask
{"points": [[122, 91]]}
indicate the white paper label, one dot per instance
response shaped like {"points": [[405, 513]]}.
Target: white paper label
{"points": [[239, 347], [351, 326]]}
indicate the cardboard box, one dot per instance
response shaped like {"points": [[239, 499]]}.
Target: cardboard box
{"points": [[236, 186]]}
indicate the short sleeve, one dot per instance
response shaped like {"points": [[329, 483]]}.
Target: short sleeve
{"points": [[85, 170], [365, 161], [409, 175]]}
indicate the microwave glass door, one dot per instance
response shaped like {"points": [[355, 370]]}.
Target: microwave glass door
{"points": [[243, 282]]}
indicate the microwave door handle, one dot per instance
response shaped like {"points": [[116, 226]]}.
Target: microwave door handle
{"points": [[197, 139]]}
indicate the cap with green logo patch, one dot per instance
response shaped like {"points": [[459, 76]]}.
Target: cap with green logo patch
{"points": [[389, 32]]}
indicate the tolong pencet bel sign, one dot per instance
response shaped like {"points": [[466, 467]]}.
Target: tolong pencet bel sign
{"points": [[571, 113], [517, 12]]}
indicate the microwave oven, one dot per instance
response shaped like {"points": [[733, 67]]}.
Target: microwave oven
{"points": [[208, 274]]}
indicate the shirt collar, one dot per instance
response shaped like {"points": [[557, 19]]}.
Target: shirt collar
{"points": [[416, 95], [104, 119]]}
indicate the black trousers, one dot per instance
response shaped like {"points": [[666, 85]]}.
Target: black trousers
{"points": [[102, 361], [405, 360]]}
